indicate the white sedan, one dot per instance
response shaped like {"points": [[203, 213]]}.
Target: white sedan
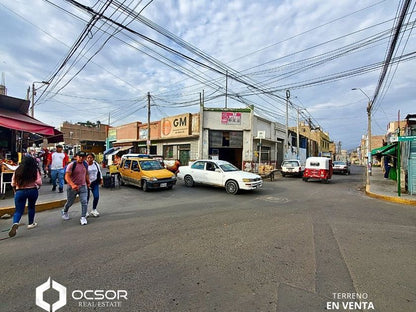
{"points": [[219, 173]]}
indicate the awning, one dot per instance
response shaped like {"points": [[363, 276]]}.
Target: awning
{"points": [[56, 138], [108, 151], [18, 121], [124, 148], [112, 153], [390, 149]]}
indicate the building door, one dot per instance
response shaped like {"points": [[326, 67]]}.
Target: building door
{"points": [[226, 145], [184, 152]]}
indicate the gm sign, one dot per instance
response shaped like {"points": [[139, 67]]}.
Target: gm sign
{"points": [[176, 126], [44, 287]]}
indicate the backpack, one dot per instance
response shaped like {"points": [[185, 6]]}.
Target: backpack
{"points": [[75, 165]]}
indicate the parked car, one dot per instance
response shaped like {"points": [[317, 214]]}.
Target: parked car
{"points": [[341, 167], [318, 168], [292, 167], [146, 173], [219, 173]]}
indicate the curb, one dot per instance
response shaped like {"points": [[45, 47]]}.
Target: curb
{"points": [[39, 207], [392, 199]]}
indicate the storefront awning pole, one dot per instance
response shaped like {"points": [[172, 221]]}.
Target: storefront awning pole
{"points": [[398, 170]]}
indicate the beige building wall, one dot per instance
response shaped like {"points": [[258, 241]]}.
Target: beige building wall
{"points": [[128, 131], [320, 137], [75, 133], [394, 125]]}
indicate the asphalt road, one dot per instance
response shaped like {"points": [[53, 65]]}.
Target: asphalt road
{"points": [[290, 246]]}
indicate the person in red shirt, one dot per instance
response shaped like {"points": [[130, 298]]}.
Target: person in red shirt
{"points": [[45, 157]]}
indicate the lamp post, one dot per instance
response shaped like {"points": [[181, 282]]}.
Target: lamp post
{"points": [[369, 106], [32, 108]]}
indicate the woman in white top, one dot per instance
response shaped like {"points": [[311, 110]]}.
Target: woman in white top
{"points": [[96, 179]]}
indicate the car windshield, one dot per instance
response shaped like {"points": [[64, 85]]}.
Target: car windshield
{"points": [[229, 167], [290, 163], [339, 163], [150, 165]]}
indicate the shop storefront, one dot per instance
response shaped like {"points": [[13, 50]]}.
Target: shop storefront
{"points": [[226, 134], [19, 131]]}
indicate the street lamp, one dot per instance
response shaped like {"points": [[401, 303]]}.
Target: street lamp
{"points": [[369, 106], [32, 108]]}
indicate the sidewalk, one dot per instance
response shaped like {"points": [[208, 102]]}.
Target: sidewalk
{"points": [[387, 189], [46, 200]]}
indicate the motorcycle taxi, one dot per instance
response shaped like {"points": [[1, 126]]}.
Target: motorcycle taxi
{"points": [[318, 168]]}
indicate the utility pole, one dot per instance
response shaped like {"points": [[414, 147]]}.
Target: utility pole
{"points": [[369, 164], [201, 126], [32, 107], [226, 88], [297, 135], [107, 141], [287, 124], [148, 124]]}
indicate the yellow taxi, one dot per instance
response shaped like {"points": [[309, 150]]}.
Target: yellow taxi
{"points": [[145, 172]]}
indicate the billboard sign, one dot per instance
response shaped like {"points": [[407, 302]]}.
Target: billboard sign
{"points": [[231, 118], [176, 126]]}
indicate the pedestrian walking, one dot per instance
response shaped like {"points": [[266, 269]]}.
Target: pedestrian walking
{"points": [[57, 161], [78, 183], [26, 181], [44, 157], [386, 161], [96, 179]]}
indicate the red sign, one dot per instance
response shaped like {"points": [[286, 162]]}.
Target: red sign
{"points": [[231, 118]]}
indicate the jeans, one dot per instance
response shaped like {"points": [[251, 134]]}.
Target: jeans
{"points": [[83, 195], [94, 187], [20, 202], [58, 173]]}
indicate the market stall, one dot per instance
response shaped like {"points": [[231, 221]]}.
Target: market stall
{"points": [[19, 131], [7, 169]]}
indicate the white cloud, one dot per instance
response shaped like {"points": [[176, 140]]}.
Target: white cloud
{"points": [[261, 35]]}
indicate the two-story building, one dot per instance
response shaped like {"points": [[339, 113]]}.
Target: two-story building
{"points": [[235, 135]]}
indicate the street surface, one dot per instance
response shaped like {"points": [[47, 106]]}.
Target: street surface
{"points": [[290, 246]]}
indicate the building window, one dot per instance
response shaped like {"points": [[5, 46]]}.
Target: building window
{"points": [[265, 153], [168, 151]]}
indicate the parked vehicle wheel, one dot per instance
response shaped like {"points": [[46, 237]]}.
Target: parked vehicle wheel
{"points": [[305, 179], [122, 181], [231, 187], [325, 181], [283, 174], [189, 182], [144, 186]]}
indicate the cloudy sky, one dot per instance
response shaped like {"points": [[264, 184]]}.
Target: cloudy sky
{"points": [[251, 51]]}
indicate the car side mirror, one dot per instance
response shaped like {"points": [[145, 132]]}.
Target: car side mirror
{"points": [[217, 170]]}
